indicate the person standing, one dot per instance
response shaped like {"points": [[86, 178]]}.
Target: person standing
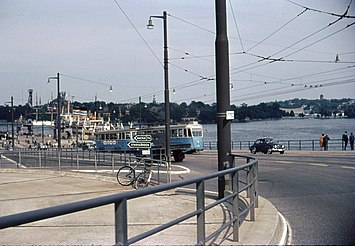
{"points": [[351, 138], [325, 142], [345, 139], [321, 141]]}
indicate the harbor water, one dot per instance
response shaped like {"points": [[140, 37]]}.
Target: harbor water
{"points": [[284, 129]]}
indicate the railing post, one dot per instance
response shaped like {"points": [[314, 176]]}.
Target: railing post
{"points": [[288, 145], [248, 179], [19, 159], [59, 164], [252, 193], [200, 206], [300, 145], [121, 232], [113, 162], [235, 210], [39, 158], [95, 161], [256, 189], [313, 145], [77, 161]]}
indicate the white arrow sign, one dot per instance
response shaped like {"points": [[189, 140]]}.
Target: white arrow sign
{"points": [[140, 145], [143, 138]]}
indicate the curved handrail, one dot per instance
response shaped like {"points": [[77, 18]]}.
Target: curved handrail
{"points": [[120, 201]]}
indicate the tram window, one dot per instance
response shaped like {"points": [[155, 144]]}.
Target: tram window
{"points": [[180, 135], [197, 133], [174, 133], [189, 133], [128, 135]]}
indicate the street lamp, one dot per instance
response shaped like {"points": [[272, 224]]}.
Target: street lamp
{"points": [[12, 123], [58, 109], [166, 81]]}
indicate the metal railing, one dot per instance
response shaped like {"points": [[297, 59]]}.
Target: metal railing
{"points": [[244, 177], [336, 144], [79, 160]]}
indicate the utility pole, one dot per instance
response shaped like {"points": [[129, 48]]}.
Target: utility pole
{"points": [[59, 121], [223, 92], [58, 109], [12, 123]]}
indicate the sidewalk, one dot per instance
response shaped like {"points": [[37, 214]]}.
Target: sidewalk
{"points": [[25, 190]]}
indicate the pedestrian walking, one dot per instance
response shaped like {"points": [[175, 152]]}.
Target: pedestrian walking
{"points": [[321, 141], [351, 138], [345, 140]]}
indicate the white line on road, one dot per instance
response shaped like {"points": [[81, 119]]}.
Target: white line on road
{"points": [[347, 167], [286, 162], [318, 164]]}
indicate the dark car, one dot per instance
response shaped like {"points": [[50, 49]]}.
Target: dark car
{"points": [[267, 146]]}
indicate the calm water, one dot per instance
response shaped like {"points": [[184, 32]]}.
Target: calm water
{"points": [[285, 129]]}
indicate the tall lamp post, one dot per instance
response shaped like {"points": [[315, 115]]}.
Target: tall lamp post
{"points": [[12, 123], [58, 109], [166, 81]]}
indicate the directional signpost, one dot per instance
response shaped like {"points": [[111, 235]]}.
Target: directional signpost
{"points": [[143, 138], [140, 145], [141, 142]]}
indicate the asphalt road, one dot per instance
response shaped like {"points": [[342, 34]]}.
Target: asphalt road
{"points": [[314, 190]]}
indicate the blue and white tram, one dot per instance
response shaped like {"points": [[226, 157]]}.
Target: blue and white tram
{"points": [[188, 135], [114, 140]]}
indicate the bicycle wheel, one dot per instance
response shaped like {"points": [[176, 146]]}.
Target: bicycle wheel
{"points": [[125, 175], [142, 180]]}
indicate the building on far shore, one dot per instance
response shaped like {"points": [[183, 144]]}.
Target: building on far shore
{"points": [[296, 111]]}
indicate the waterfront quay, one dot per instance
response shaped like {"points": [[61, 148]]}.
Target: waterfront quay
{"points": [[312, 189]]}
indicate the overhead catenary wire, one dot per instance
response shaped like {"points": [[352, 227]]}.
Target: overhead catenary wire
{"points": [[140, 35], [298, 50], [345, 15], [203, 79], [236, 25], [277, 30]]}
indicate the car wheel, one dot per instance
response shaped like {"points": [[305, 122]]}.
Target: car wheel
{"points": [[269, 151], [281, 152], [253, 150]]}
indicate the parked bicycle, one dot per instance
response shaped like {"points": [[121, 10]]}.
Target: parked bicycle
{"points": [[126, 176]]}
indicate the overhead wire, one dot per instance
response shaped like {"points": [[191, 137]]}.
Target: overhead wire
{"points": [[325, 12], [236, 25], [277, 30], [204, 79], [140, 35]]}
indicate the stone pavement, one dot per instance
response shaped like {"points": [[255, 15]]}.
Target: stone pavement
{"points": [[24, 190]]}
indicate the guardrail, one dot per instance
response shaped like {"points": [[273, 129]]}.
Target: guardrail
{"points": [[76, 159], [239, 179], [336, 144]]}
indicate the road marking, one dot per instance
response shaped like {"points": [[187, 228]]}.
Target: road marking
{"points": [[286, 162], [347, 167], [283, 240], [318, 164]]}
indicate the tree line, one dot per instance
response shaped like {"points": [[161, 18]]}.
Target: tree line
{"points": [[153, 113]]}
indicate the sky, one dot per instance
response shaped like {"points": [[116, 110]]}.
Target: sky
{"points": [[279, 50]]}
